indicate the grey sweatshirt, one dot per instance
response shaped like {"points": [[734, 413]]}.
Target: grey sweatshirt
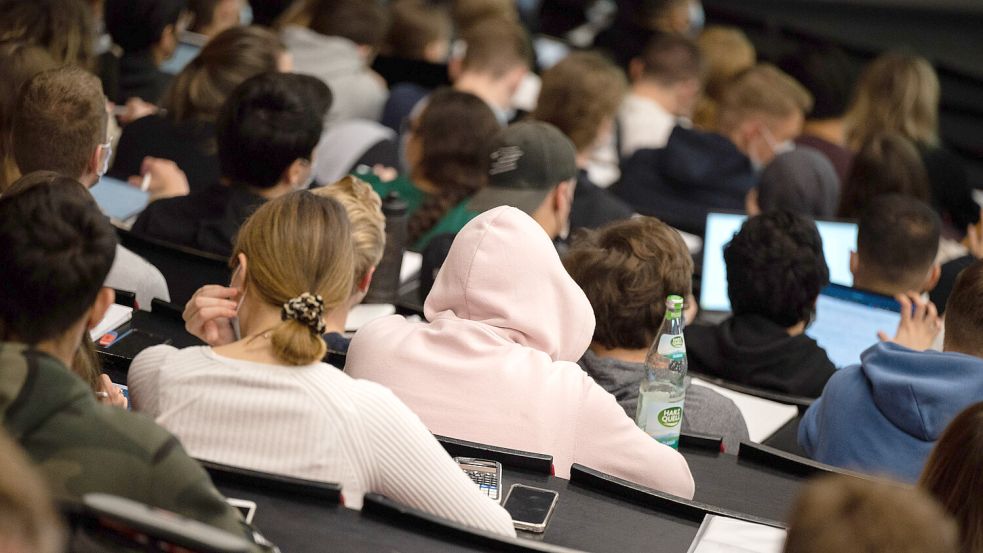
{"points": [[705, 411]]}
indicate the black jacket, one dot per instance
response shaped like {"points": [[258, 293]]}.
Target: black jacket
{"points": [[139, 77], [594, 206], [695, 173], [206, 221], [751, 350], [190, 144]]}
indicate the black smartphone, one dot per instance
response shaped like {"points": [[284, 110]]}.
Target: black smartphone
{"points": [[530, 507]]}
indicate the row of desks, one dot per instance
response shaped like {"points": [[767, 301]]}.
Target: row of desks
{"points": [[584, 519]]}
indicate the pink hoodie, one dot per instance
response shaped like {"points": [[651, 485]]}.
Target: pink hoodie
{"points": [[497, 364]]}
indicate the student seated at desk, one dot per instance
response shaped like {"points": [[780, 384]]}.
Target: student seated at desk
{"points": [[209, 312], [775, 270], [58, 249], [496, 364], [627, 269], [266, 402], [884, 415], [447, 149], [266, 133]]}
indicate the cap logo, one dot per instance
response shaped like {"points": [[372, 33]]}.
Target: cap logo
{"points": [[505, 159]]}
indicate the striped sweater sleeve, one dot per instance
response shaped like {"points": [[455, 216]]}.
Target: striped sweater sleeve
{"points": [[411, 467]]}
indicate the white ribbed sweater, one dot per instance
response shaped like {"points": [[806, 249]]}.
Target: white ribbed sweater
{"points": [[313, 422]]}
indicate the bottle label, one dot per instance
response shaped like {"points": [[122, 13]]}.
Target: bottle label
{"points": [[663, 421], [672, 347]]}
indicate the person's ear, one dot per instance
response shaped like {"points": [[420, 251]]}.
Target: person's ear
{"points": [[366, 280], [932, 280], [239, 275], [854, 263], [104, 299], [94, 164], [751, 204], [296, 174], [514, 78]]}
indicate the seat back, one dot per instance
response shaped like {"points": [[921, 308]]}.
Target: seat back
{"points": [[786, 462], [185, 269], [510, 458], [104, 522], [655, 500]]}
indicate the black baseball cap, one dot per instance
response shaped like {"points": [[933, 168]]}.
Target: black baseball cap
{"points": [[528, 159]]}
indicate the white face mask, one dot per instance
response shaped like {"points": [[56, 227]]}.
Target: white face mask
{"points": [[107, 154], [777, 148]]}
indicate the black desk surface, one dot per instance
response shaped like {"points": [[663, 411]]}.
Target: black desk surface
{"points": [[724, 481]]}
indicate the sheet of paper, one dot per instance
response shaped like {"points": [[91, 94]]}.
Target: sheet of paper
{"points": [[412, 263], [764, 417], [364, 313], [118, 199], [728, 535], [115, 316]]}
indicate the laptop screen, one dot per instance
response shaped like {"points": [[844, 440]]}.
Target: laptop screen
{"points": [[839, 239], [848, 320]]}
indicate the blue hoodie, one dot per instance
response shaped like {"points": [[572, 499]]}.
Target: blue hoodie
{"points": [[884, 415]]}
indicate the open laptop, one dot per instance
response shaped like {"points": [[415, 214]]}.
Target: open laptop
{"points": [[839, 239], [848, 320]]}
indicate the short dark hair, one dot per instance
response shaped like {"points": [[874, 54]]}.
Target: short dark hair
{"points": [[888, 163], [826, 72], [136, 25], [776, 268], [268, 122], [60, 120], [964, 312], [627, 270], [669, 59], [898, 237], [415, 25], [57, 250]]}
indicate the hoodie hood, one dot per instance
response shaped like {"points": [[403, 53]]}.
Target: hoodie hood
{"points": [[920, 392], [503, 272], [751, 350]]}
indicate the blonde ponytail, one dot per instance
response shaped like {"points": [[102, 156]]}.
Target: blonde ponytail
{"points": [[300, 253]]}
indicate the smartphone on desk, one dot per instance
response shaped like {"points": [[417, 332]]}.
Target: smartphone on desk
{"points": [[530, 508]]}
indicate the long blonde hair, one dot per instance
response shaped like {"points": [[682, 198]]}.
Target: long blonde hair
{"points": [[364, 208], [896, 93], [295, 244]]}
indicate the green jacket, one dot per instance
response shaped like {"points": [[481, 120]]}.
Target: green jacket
{"points": [[81, 446], [451, 223]]}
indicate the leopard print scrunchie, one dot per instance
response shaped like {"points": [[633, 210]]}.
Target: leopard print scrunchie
{"points": [[306, 308]]}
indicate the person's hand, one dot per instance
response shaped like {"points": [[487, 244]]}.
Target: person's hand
{"points": [[208, 314], [974, 238], [690, 309], [110, 394], [162, 178], [384, 173], [920, 323], [134, 109]]}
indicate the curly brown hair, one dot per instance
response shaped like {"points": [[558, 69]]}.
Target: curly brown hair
{"points": [[627, 269], [579, 93], [454, 130]]}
